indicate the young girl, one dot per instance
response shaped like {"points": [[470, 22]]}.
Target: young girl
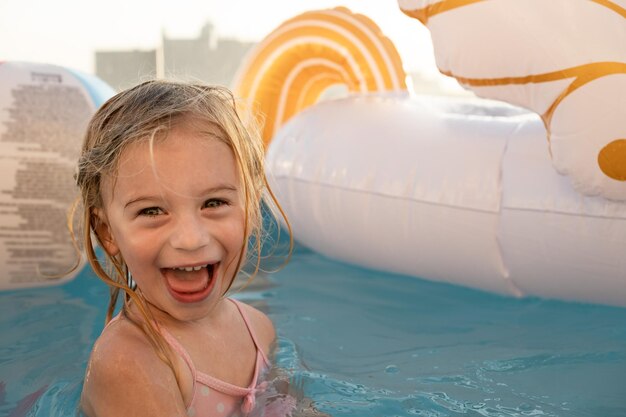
{"points": [[171, 183]]}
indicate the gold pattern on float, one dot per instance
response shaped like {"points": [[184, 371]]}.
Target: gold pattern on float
{"points": [[425, 13], [434, 9], [612, 160]]}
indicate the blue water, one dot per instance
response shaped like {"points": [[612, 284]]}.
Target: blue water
{"points": [[357, 343]]}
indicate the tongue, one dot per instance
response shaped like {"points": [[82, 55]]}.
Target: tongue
{"points": [[187, 282]]}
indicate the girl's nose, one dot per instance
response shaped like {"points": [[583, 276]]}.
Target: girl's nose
{"points": [[189, 233]]}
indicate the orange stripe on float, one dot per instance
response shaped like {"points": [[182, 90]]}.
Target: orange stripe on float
{"points": [[446, 5], [314, 32], [282, 35], [376, 54], [369, 45], [611, 5], [294, 102], [296, 80], [314, 86], [398, 65], [596, 68], [282, 65], [389, 50], [345, 18], [585, 74], [317, 89], [434, 9], [365, 52], [582, 75], [266, 97]]}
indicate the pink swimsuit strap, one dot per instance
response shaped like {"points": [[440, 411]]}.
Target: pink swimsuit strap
{"points": [[217, 384]]}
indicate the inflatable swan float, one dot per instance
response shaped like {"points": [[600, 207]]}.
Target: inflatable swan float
{"points": [[460, 191]]}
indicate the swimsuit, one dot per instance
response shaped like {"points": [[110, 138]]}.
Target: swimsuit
{"points": [[214, 397]]}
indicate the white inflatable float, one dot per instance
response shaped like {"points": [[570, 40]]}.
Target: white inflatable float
{"points": [[455, 190], [563, 59], [44, 110]]}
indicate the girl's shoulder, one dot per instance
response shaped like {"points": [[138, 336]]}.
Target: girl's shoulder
{"points": [[125, 376], [261, 326], [121, 340]]}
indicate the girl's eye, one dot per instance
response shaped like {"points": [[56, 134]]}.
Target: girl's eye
{"points": [[150, 211], [214, 203]]}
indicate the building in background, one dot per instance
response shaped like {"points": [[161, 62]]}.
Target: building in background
{"points": [[205, 58], [123, 69]]}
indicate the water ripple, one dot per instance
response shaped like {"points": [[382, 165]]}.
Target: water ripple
{"points": [[544, 360]]}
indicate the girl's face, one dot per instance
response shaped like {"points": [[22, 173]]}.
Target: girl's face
{"points": [[176, 216]]}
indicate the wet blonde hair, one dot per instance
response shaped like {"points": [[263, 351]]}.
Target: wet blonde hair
{"points": [[143, 112]]}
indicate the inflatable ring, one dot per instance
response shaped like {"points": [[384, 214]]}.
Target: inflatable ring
{"points": [[46, 109], [454, 190], [291, 68], [565, 60]]}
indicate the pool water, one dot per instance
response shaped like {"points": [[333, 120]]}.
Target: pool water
{"points": [[356, 342]]}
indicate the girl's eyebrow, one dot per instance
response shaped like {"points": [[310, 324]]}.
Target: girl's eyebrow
{"points": [[222, 188], [219, 188], [141, 198]]}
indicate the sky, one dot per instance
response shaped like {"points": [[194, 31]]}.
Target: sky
{"points": [[67, 32]]}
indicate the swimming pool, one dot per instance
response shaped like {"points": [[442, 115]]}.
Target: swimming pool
{"points": [[357, 343]]}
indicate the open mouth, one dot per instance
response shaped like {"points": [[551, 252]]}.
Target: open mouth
{"points": [[190, 283]]}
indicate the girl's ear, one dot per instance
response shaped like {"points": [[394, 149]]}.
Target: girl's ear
{"points": [[100, 225]]}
